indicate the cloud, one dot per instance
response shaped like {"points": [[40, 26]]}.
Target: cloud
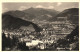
{"points": [[22, 8], [49, 7], [40, 6], [59, 3]]}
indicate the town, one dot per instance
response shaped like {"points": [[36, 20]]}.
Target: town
{"points": [[50, 34]]}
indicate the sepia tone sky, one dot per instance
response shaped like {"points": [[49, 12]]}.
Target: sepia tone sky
{"points": [[59, 6]]}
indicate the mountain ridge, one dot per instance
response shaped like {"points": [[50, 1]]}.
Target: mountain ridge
{"points": [[72, 15], [11, 22], [33, 13]]}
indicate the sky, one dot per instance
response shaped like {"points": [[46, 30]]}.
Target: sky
{"points": [[59, 6]]}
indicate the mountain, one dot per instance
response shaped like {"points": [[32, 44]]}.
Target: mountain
{"points": [[71, 11], [42, 14], [10, 22], [40, 11], [30, 14], [71, 14], [20, 14]]}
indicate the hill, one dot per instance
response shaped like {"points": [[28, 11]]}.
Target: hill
{"points": [[71, 14], [20, 14], [9, 22], [71, 39]]}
